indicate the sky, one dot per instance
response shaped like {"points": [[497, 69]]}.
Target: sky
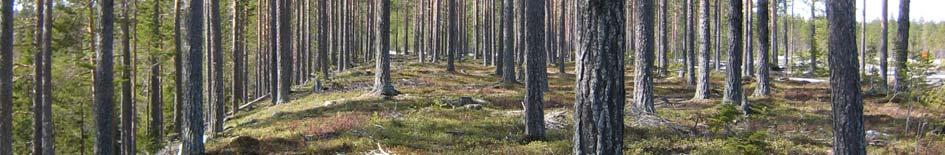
{"points": [[926, 10]]}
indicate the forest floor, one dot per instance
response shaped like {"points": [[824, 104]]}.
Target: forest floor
{"points": [[430, 118]]}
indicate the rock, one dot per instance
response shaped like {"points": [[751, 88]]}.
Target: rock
{"points": [[473, 106], [555, 120], [876, 138]]}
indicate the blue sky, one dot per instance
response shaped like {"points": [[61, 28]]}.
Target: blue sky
{"points": [[927, 10]]}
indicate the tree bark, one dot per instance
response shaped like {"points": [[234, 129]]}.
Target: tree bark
{"points": [[600, 94], [239, 70], [847, 102], [6, 78], [104, 81], [43, 126], [217, 107], [382, 82], [733, 74], [454, 40], [535, 65], [284, 47], [704, 77], [128, 110], [643, 68], [178, 69], [763, 89], [508, 52], [193, 126], [902, 48]]}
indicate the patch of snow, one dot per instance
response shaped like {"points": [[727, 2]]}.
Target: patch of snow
{"points": [[810, 80]]}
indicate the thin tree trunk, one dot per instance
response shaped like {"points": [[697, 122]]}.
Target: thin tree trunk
{"points": [[284, 52], [127, 100], [847, 102], [217, 107], [813, 44], [883, 49], [902, 48], [178, 69], [156, 127], [239, 71], [453, 29]]}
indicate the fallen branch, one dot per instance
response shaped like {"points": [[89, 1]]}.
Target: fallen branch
{"points": [[244, 106]]}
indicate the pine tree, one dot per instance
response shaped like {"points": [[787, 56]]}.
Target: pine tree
{"points": [[535, 65], [103, 107], [847, 102], [763, 89], [193, 123], [733, 77], [6, 77], [600, 97], [902, 48], [702, 83]]}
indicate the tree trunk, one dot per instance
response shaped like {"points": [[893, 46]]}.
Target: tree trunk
{"points": [[600, 94], [508, 52], [883, 49], [6, 78], [453, 28], [217, 107], [863, 70], [643, 68], [382, 82], [733, 74], [178, 69], [774, 33], [156, 127], [43, 127], [104, 81], [535, 65], [763, 89], [239, 71], [749, 40], [703, 79], [284, 47], [193, 126], [813, 42], [902, 48], [663, 60], [127, 99], [847, 102]]}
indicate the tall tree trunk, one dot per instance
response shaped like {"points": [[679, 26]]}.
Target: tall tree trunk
{"points": [[43, 94], [178, 69], [127, 99], [691, 42], [156, 126], [643, 68], [104, 81], [217, 111], [6, 78], [382, 82], [704, 77], [750, 40], [902, 48], [883, 49], [847, 102], [600, 94], [774, 32], [813, 43], [863, 43], [323, 38], [453, 28], [193, 126], [733, 74], [763, 89], [663, 60], [508, 52], [284, 51], [535, 65], [239, 70]]}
